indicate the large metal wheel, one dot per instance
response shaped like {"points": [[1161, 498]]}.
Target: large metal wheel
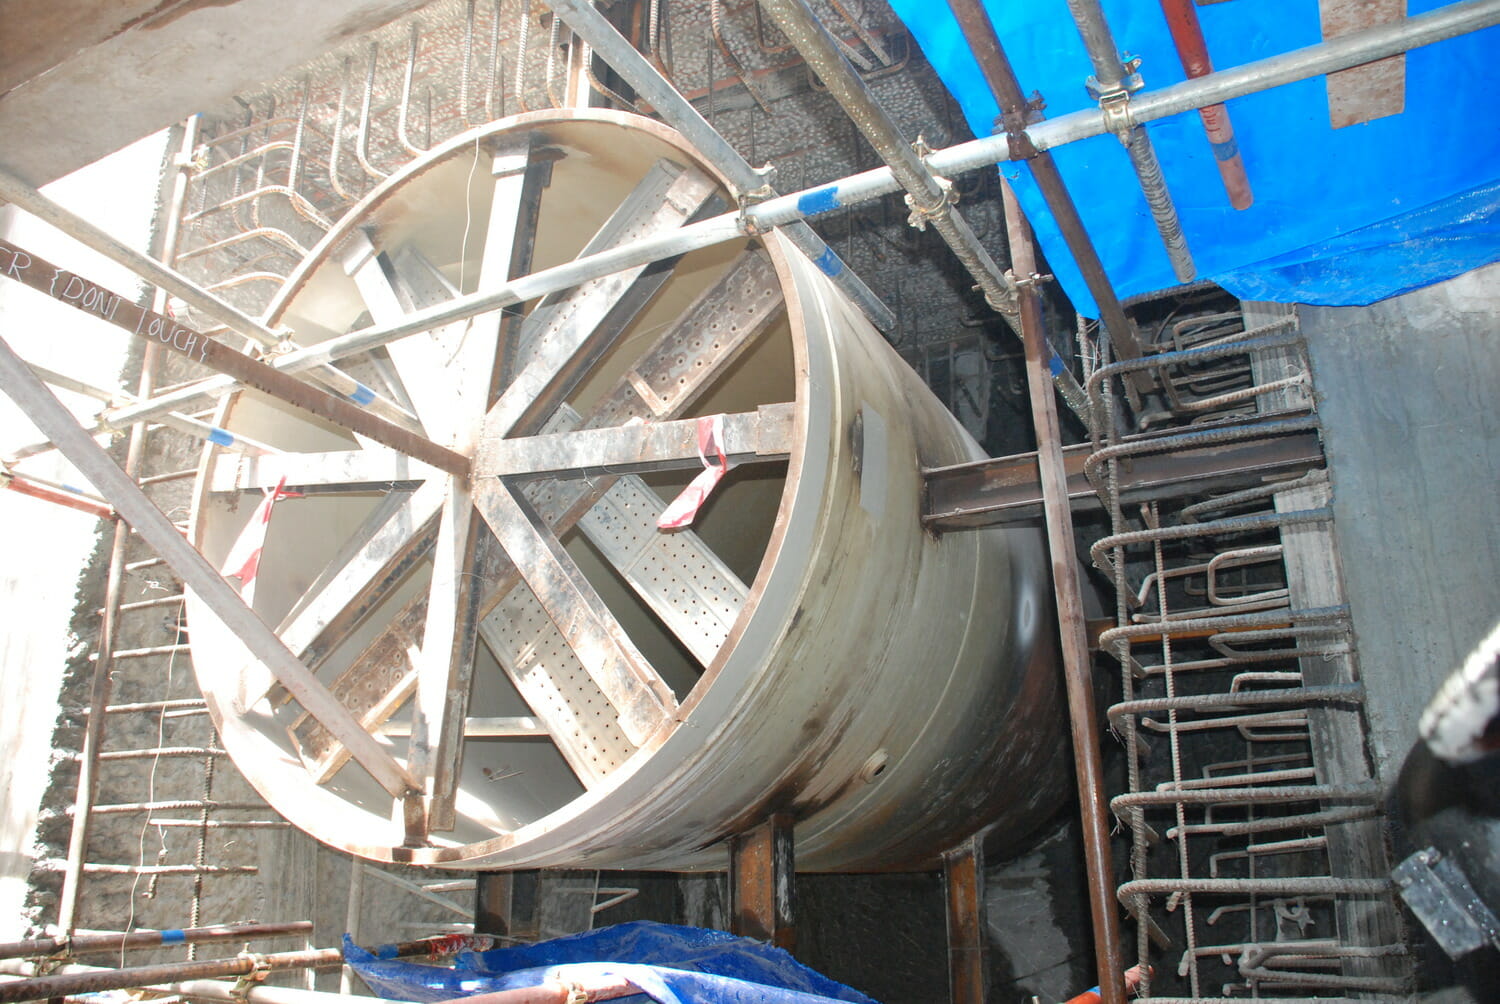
{"points": [[563, 681]]}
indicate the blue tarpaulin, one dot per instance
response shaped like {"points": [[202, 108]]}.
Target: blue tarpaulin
{"points": [[674, 965], [1341, 216]]}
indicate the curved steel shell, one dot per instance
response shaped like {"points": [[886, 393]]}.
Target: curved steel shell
{"points": [[812, 650]]}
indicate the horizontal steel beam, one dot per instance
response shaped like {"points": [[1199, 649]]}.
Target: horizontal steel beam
{"points": [[764, 435], [1008, 489]]}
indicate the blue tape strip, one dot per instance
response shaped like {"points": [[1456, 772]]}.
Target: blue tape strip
{"points": [[173, 937], [362, 395], [829, 263], [1226, 151], [824, 200], [72, 488], [219, 437], [1056, 366]]}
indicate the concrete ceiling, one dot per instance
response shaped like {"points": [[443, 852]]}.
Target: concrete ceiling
{"points": [[83, 78]]}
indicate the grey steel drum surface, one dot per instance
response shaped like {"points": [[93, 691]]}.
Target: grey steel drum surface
{"points": [[814, 651]]}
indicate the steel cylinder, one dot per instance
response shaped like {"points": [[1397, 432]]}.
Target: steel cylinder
{"points": [[893, 690]]}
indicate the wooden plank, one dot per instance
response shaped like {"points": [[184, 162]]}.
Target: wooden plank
{"points": [[1373, 90], [640, 697], [764, 435]]}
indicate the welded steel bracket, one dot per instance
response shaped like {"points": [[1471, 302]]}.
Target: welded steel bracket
{"points": [[1438, 892]]}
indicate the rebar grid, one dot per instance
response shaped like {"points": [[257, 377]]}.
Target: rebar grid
{"points": [[1229, 804]]}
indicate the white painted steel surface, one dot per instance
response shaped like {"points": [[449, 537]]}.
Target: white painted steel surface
{"points": [[895, 691]]}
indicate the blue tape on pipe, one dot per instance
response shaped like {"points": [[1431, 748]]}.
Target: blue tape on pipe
{"points": [[829, 263], [823, 200], [219, 437], [362, 395], [1056, 366], [173, 937]]}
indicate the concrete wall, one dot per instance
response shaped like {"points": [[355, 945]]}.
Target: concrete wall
{"points": [[45, 547], [1407, 393]]}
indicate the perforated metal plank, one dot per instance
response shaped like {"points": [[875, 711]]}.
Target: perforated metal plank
{"points": [[554, 684], [373, 688]]}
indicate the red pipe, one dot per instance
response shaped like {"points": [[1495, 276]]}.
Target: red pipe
{"points": [[1187, 35], [23, 487]]}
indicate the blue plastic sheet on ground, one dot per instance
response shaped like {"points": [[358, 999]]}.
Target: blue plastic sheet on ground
{"points": [[673, 965], [1341, 216]]}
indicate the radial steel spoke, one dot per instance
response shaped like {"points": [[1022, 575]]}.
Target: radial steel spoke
{"points": [[565, 339], [376, 468], [356, 581], [749, 437], [446, 663], [641, 698]]}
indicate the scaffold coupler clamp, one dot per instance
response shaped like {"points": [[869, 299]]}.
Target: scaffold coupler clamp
{"points": [[1114, 102], [747, 223], [920, 215], [260, 969]]}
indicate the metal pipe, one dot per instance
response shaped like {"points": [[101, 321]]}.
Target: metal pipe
{"points": [[213, 990], [1112, 85], [30, 270], [91, 980], [66, 497], [1192, 49], [89, 944], [930, 198], [32, 396], [1335, 54], [668, 102], [14, 190], [1077, 666], [1016, 115], [563, 988]]}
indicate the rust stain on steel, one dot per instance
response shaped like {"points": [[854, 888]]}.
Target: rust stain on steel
{"points": [[158, 329]]}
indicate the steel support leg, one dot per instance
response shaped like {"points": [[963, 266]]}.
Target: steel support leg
{"points": [[968, 960], [762, 883]]}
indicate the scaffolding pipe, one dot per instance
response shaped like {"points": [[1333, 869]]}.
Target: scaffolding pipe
{"points": [[1334, 54], [752, 184], [84, 979], [1077, 665], [984, 44], [134, 940], [212, 990], [1192, 49], [1112, 85], [31, 395], [70, 288], [931, 198], [14, 190]]}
